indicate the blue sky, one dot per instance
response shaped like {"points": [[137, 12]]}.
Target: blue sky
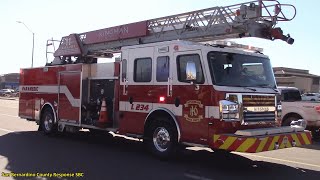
{"points": [[57, 18]]}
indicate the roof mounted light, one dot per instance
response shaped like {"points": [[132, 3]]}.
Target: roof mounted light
{"points": [[231, 44]]}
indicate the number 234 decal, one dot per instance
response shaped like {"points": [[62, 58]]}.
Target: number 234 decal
{"points": [[140, 107]]}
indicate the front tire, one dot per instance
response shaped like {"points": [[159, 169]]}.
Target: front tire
{"points": [[47, 122], [162, 139]]}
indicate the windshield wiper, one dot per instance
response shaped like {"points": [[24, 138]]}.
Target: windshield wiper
{"points": [[244, 87], [252, 89], [267, 86]]}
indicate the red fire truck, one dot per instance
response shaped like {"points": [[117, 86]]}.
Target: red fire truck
{"points": [[171, 85]]}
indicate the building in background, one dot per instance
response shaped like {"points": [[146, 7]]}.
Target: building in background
{"points": [[298, 78], [10, 81]]}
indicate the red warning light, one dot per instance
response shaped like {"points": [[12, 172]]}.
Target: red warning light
{"points": [[162, 98]]}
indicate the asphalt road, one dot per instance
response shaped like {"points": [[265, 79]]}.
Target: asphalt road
{"points": [[25, 150]]}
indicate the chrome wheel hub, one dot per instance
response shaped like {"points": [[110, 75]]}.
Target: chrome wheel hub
{"points": [[161, 139], [48, 123]]}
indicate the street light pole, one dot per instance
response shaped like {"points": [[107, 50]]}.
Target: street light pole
{"points": [[32, 49], [20, 22]]}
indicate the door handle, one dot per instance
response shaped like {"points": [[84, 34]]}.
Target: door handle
{"points": [[125, 87], [169, 87], [130, 100]]}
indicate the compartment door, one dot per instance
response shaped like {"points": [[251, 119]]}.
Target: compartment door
{"points": [[69, 97]]}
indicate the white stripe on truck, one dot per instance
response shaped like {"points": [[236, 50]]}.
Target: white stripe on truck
{"points": [[51, 89]]}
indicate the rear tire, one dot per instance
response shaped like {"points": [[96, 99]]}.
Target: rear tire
{"points": [[161, 139], [47, 122]]}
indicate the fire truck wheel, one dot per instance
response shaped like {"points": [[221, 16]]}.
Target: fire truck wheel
{"points": [[47, 122], [162, 140]]}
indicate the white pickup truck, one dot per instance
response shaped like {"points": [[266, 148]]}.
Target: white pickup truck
{"points": [[293, 109]]}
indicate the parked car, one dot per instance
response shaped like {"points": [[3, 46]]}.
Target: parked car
{"points": [[6, 92], [293, 109], [310, 97], [16, 93]]}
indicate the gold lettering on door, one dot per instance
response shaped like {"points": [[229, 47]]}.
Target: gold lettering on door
{"points": [[193, 107]]}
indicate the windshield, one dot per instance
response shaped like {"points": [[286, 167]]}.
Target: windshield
{"points": [[229, 69]]}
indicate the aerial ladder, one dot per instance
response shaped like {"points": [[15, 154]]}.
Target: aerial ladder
{"points": [[251, 19]]}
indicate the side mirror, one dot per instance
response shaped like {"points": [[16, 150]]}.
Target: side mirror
{"points": [[191, 72]]}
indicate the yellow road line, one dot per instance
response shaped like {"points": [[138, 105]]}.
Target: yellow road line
{"points": [[276, 159]]}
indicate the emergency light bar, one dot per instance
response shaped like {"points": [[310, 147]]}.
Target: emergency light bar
{"points": [[232, 44]]}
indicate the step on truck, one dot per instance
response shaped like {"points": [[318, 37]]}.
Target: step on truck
{"points": [[173, 81]]}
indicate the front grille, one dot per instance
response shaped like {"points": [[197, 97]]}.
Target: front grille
{"points": [[259, 116], [252, 116], [258, 100]]}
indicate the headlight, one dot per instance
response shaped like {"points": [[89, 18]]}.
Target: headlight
{"points": [[225, 107], [230, 107], [229, 111], [233, 107]]}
